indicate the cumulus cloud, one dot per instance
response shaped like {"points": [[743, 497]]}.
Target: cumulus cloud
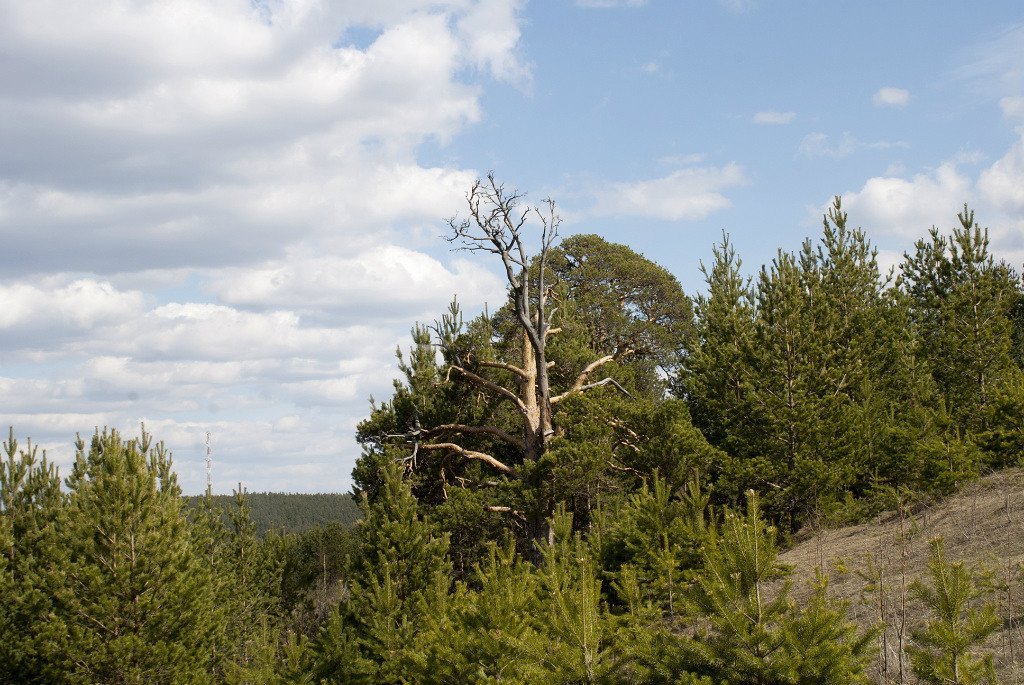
{"points": [[906, 207], [773, 118], [1002, 184], [684, 195], [62, 309], [207, 201], [491, 33], [891, 97], [222, 116], [909, 206], [402, 281]]}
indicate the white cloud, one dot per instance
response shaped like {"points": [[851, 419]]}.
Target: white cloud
{"points": [[153, 128], [816, 145], [909, 207], [206, 199], [492, 33], [1002, 184], [905, 208], [773, 118], [199, 331], [80, 305], [891, 97], [401, 281], [686, 194]]}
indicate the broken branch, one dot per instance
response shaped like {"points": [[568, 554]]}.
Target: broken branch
{"points": [[484, 430], [490, 385], [470, 454]]}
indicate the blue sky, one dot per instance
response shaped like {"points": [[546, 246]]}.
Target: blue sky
{"points": [[640, 90], [223, 215]]}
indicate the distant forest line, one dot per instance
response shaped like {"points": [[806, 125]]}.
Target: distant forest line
{"points": [[290, 512]]}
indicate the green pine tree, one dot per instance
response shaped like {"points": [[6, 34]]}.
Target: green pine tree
{"points": [[32, 645], [253, 599], [401, 563], [575, 643], [717, 378], [138, 598], [946, 649], [656, 539], [963, 304], [755, 633]]}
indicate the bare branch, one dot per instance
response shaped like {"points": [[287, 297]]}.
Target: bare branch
{"points": [[582, 378], [470, 454], [623, 469], [627, 444], [490, 385], [591, 386], [508, 367], [477, 430], [505, 510], [617, 423]]}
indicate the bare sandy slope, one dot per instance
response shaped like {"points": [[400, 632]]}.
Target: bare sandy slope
{"points": [[983, 524]]}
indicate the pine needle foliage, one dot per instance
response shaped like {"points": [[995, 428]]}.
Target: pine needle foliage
{"points": [[137, 599], [30, 561], [946, 649], [753, 631], [400, 568]]}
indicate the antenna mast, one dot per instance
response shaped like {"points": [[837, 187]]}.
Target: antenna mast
{"points": [[209, 466]]}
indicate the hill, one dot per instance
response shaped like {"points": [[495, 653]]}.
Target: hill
{"points": [[983, 524], [294, 513]]}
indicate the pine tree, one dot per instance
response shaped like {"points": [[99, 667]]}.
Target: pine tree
{"points": [[210, 540], [654, 651], [754, 632], [576, 640], [475, 635], [788, 411], [137, 600], [656, 539], [963, 303], [253, 600], [400, 563], [822, 646], [809, 380], [32, 644], [947, 643], [717, 378]]}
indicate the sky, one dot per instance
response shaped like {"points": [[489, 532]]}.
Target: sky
{"points": [[222, 216]]}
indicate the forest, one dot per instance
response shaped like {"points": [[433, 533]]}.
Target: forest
{"points": [[288, 512], [592, 483]]}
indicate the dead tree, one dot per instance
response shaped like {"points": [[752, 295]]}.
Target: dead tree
{"points": [[497, 223]]}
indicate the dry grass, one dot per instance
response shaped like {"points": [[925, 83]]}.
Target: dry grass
{"points": [[983, 524]]}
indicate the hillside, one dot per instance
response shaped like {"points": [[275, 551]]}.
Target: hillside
{"points": [[293, 512], [981, 524]]}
